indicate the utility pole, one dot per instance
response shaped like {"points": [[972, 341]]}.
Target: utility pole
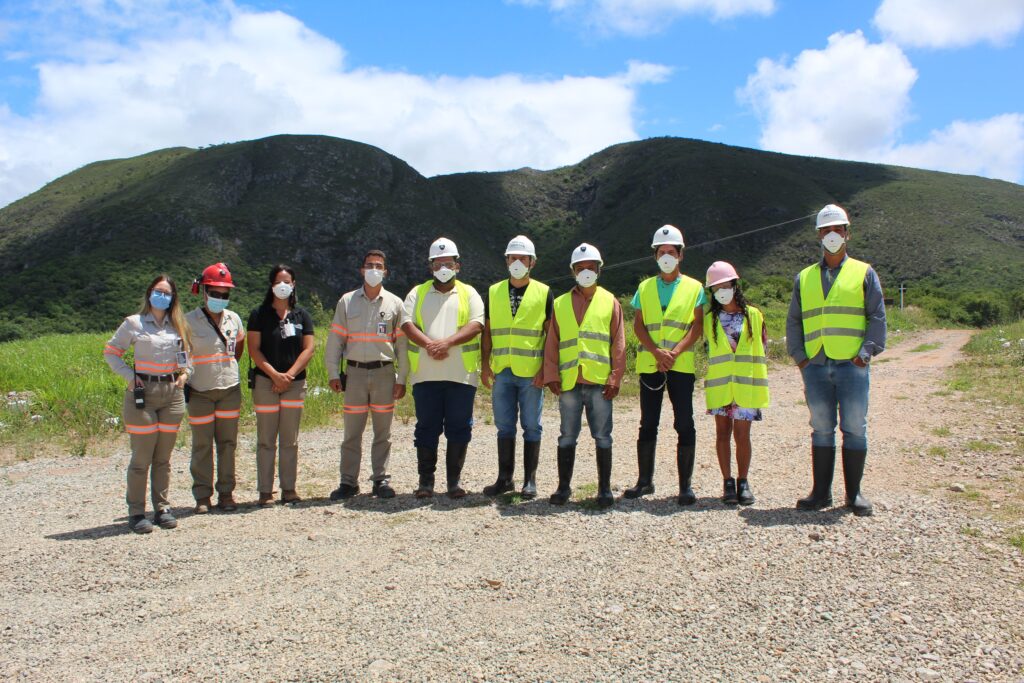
{"points": [[903, 288]]}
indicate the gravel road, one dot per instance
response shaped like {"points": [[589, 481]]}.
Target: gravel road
{"points": [[927, 589]]}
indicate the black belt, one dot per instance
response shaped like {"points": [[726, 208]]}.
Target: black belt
{"points": [[369, 366], [156, 378]]}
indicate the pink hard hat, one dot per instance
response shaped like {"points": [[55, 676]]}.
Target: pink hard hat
{"points": [[720, 272]]}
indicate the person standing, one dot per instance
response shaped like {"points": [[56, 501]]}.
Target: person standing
{"points": [[736, 386], [443, 318], [154, 402], [281, 343], [367, 333], [214, 390], [517, 312], [669, 321], [584, 361], [836, 325]]}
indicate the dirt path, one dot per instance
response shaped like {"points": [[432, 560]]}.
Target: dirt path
{"points": [[927, 589]]}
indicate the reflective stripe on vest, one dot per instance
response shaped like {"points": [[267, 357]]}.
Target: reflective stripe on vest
{"points": [[517, 342], [587, 346], [837, 322], [668, 329], [470, 350], [739, 377]]}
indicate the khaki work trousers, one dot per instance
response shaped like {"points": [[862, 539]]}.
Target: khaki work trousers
{"points": [[213, 416], [152, 432], [277, 431], [367, 392]]}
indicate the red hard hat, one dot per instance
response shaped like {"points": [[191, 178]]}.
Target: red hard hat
{"points": [[216, 275]]}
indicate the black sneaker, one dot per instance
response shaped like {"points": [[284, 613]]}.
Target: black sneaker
{"points": [[344, 491], [744, 494], [382, 489], [729, 492], [165, 519], [139, 524]]}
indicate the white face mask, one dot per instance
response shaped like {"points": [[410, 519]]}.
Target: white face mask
{"points": [[518, 270], [667, 263], [373, 277], [586, 278], [724, 296], [444, 274], [833, 242], [282, 290]]}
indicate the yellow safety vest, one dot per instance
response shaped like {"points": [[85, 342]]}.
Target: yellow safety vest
{"points": [[586, 345], [517, 342], [739, 376], [470, 350], [667, 329], [837, 322]]}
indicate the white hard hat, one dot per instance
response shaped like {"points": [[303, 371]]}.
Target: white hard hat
{"points": [[520, 245], [667, 234], [586, 252], [831, 215], [443, 246]]}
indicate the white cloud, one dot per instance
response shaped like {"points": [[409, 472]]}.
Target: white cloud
{"points": [[851, 101], [256, 74], [949, 23], [641, 17]]}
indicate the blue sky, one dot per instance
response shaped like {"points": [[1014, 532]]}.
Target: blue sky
{"points": [[489, 85]]}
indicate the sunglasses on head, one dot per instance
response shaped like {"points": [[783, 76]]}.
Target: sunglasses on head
{"points": [[218, 295]]}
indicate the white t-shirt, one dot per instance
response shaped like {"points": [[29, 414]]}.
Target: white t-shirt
{"points": [[441, 319]]}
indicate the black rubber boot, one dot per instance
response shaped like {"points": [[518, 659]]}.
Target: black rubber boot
{"points": [[853, 471], [744, 494], [531, 458], [506, 468], [454, 459], [426, 464], [729, 492], [605, 499], [566, 461], [823, 463], [645, 465], [685, 456]]}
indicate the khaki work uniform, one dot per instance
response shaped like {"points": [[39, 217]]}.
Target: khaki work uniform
{"points": [[152, 430], [278, 417], [368, 335], [215, 401]]}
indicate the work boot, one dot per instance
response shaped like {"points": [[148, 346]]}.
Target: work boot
{"points": [[203, 506], [165, 519], [454, 460], [746, 496], [566, 461], [531, 458], [823, 462], [266, 500], [139, 524], [645, 465], [729, 492], [685, 456], [853, 471], [605, 499], [226, 503], [382, 489], [426, 464], [288, 497], [344, 492], [506, 468]]}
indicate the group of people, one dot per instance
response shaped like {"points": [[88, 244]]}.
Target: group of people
{"points": [[444, 339]]}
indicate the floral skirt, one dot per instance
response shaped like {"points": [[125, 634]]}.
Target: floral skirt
{"points": [[737, 413]]}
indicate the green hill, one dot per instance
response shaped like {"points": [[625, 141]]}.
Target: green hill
{"points": [[75, 255]]}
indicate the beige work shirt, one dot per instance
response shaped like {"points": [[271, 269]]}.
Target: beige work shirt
{"points": [[213, 363], [367, 330], [156, 347], [441, 319]]}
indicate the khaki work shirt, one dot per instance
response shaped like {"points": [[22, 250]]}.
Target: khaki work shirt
{"points": [[214, 364], [156, 347], [368, 330]]}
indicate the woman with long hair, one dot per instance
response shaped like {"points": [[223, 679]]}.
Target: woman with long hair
{"points": [[281, 344], [154, 402]]}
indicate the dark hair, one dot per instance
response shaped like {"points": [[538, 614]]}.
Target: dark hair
{"points": [[738, 297], [375, 252], [268, 300], [679, 249]]}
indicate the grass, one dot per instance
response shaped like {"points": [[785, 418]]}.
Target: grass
{"points": [[1017, 541], [980, 446], [993, 367], [970, 531], [942, 431], [920, 348], [938, 451]]}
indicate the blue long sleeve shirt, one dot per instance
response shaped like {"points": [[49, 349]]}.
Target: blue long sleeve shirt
{"points": [[874, 311]]}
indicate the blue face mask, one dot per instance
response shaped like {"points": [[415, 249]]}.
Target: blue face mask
{"points": [[161, 301], [217, 305]]}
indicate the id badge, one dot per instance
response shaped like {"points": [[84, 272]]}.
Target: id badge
{"points": [[231, 347], [382, 329], [289, 330], [182, 359]]}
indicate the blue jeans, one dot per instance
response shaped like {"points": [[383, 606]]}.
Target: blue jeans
{"points": [[515, 397], [599, 415], [443, 407], [838, 384]]}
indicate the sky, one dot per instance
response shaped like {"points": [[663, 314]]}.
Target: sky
{"points": [[485, 85]]}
